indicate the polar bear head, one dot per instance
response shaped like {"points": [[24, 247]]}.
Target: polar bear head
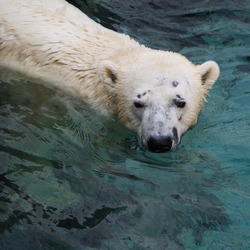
{"points": [[157, 94]]}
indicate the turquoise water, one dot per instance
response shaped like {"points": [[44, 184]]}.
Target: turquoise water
{"points": [[71, 179]]}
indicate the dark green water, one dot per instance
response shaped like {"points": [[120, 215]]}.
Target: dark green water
{"points": [[71, 179]]}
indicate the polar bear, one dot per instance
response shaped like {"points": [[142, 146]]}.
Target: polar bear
{"points": [[158, 94]]}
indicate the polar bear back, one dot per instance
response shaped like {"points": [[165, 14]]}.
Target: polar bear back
{"points": [[56, 7], [48, 40], [56, 12]]}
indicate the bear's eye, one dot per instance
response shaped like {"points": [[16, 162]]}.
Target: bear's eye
{"points": [[139, 105], [179, 103]]}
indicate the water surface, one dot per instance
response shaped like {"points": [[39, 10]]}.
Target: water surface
{"points": [[71, 179]]}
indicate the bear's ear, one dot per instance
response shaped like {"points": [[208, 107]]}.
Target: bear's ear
{"points": [[209, 72], [107, 72]]}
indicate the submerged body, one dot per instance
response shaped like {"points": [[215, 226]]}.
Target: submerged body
{"points": [[157, 94]]}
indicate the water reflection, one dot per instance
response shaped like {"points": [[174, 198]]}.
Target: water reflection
{"points": [[61, 175]]}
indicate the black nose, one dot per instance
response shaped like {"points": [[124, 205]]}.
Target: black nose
{"points": [[160, 143]]}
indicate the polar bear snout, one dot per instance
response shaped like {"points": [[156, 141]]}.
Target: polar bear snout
{"points": [[162, 143], [159, 144], [158, 131]]}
